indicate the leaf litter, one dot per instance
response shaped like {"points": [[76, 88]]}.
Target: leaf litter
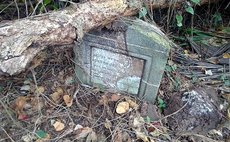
{"points": [[48, 104], [53, 107]]}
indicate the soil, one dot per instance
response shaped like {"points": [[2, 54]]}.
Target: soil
{"points": [[45, 103]]}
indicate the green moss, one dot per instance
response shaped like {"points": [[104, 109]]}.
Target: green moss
{"points": [[154, 36]]}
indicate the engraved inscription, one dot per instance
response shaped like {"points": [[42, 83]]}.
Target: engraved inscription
{"points": [[116, 71]]}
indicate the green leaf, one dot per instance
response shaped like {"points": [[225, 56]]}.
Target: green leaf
{"points": [[179, 20], [46, 2], [161, 104], [142, 12], [227, 83], [174, 67], [196, 1], [217, 16], [168, 68], [190, 10], [177, 83], [41, 134], [147, 119]]}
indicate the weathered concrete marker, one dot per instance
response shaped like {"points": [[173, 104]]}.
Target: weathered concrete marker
{"points": [[127, 56]]}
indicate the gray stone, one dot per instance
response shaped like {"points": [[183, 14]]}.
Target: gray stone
{"points": [[196, 111], [129, 56]]}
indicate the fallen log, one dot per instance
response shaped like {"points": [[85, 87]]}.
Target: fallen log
{"points": [[21, 40]]}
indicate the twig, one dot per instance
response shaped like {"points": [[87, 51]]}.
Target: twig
{"points": [[174, 112], [16, 5], [6, 7], [37, 94], [26, 8], [7, 134], [40, 1]]}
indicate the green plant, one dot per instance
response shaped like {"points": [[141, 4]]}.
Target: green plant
{"points": [[161, 104], [179, 19], [47, 5], [142, 12], [226, 80], [189, 9], [170, 70], [217, 19], [147, 119]]}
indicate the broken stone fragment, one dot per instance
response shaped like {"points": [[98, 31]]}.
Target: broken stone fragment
{"points": [[196, 111]]}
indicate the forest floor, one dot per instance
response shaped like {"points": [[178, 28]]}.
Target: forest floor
{"points": [[46, 103]]}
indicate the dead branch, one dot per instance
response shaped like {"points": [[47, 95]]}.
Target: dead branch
{"points": [[21, 40]]}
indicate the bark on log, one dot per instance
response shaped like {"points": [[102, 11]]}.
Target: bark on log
{"points": [[21, 40]]}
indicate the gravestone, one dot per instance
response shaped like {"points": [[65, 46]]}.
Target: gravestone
{"points": [[126, 56]]}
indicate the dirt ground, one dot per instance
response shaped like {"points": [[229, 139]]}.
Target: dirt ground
{"points": [[46, 103]]}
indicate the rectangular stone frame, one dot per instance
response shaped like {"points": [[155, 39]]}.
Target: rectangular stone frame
{"points": [[154, 54]]}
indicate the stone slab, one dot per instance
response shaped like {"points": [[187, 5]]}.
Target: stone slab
{"points": [[129, 57]]}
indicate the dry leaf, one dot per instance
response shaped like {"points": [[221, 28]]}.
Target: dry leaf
{"points": [[115, 97], [138, 123], [122, 107], [107, 124], [226, 55], [104, 100], [20, 104], [92, 137], [40, 90], [132, 104], [58, 126], [83, 132], [59, 90], [38, 60], [68, 100], [57, 95], [141, 136], [228, 113]]}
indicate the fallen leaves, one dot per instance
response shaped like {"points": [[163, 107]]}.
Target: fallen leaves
{"points": [[57, 95], [107, 124], [132, 104], [68, 100], [125, 106], [23, 106], [115, 97], [40, 90], [228, 113], [20, 103], [114, 105], [122, 107], [58, 126], [87, 133]]}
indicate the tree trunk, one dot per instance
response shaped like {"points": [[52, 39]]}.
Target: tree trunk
{"points": [[21, 40]]}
